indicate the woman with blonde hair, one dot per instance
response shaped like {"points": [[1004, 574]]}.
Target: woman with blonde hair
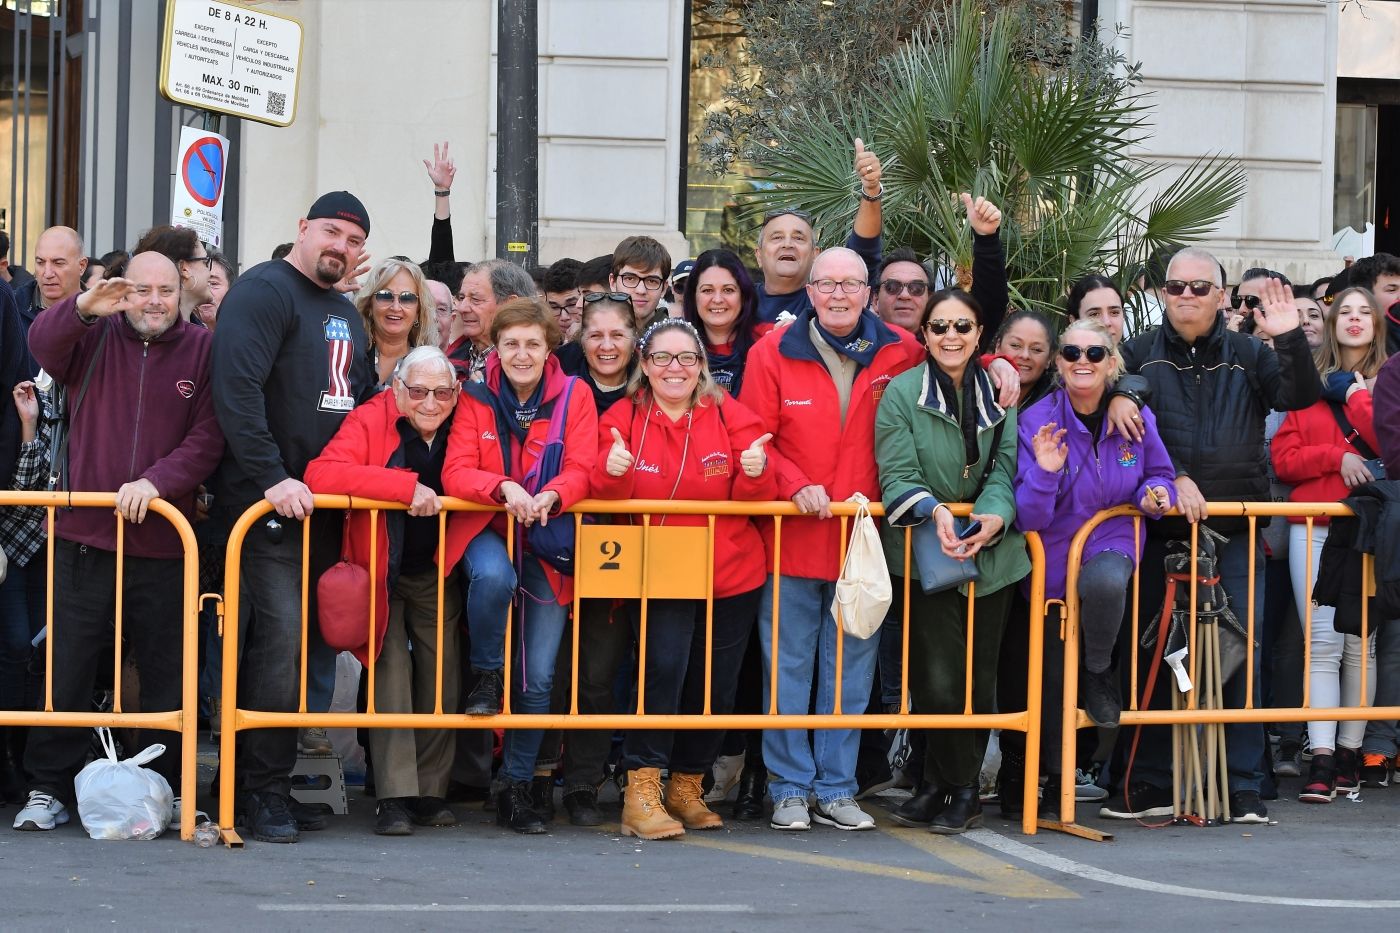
{"points": [[398, 311]]}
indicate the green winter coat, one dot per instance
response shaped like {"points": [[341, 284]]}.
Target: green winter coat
{"points": [[919, 448]]}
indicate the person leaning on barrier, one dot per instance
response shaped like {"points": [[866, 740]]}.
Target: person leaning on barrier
{"points": [[1211, 389], [147, 413], [392, 448], [680, 436], [938, 430], [499, 436]]}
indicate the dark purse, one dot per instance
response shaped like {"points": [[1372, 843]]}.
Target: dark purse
{"points": [[1353, 438]]}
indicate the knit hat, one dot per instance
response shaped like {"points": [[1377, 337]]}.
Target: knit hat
{"points": [[340, 205]]}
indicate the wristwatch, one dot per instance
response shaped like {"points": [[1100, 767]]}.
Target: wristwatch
{"points": [[871, 197]]}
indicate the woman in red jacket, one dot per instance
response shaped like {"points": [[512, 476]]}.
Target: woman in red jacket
{"points": [[499, 454], [1323, 452], [682, 437], [392, 448]]}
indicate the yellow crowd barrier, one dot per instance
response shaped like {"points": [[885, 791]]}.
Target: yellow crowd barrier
{"points": [[183, 720], [647, 561], [1199, 651]]}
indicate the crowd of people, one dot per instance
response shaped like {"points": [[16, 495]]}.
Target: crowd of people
{"points": [[819, 376]]}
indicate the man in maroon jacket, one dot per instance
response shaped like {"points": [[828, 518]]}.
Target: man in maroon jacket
{"points": [[141, 423]]}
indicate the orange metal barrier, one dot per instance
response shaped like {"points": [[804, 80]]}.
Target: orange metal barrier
{"points": [[643, 561], [1073, 718], [183, 720]]}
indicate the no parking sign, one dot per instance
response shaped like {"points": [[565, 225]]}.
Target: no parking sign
{"points": [[198, 198]]}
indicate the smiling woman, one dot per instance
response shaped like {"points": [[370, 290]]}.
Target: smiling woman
{"points": [[399, 314]]}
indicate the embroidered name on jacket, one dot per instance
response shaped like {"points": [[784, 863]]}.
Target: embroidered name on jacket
{"points": [[714, 464], [340, 350], [797, 401], [644, 467]]}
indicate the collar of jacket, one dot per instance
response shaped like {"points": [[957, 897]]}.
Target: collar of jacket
{"points": [[1210, 340], [988, 411], [173, 332], [796, 342]]}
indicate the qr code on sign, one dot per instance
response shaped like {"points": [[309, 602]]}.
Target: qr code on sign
{"points": [[276, 104]]}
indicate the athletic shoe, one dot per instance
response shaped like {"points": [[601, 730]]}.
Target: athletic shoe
{"points": [[1102, 701], [1086, 784], [1348, 770], [725, 771], [314, 741], [1287, 760], [42, 812], [1321, 785], [1246, 807], [1375, 770], [791, 814], [843, 813], [1141, 801]]}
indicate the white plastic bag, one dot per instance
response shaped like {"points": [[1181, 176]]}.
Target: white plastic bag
{"points": [[863, 593], [121, 799]]}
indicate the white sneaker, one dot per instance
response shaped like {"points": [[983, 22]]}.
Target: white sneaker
{"points": [[42, 812], [726, 771], [791, 814], [843, 813]]}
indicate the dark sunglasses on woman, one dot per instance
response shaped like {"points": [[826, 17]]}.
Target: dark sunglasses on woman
{"points": [[1071, 353], [940, 327]]}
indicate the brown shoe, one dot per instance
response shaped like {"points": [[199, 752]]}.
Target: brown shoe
{"points": [[643, 815], [685, 798]]}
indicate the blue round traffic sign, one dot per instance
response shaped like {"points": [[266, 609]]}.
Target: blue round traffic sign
{"points": [[203, 170]]}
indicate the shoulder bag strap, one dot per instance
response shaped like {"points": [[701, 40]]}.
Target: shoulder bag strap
{"points": [[58, 470], [1349, 433]]}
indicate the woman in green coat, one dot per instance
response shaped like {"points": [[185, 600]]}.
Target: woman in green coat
{"points": [[940, 437]]}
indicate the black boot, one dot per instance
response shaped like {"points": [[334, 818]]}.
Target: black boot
{"points": [[964, 811], [919, 810], [485, 698], [1011, 785], [1050, 799], [542, 796], [753, 791], [12, 780], [582, 804], [513, 809], [1102, 700]]}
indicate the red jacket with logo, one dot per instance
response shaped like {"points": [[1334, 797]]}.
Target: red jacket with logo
{"points": [[696, 457], [1307, 450], [788, 386]]}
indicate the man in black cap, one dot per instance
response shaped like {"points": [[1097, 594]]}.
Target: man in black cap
{"points": [[289, 365]]}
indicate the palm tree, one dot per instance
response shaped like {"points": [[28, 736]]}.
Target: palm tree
{"points": [[962, 110]]}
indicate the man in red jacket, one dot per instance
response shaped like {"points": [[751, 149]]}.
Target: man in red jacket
{"points": [[142, 423]]}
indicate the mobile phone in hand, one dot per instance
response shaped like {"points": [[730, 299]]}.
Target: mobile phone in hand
{"points": [[969, 531]]}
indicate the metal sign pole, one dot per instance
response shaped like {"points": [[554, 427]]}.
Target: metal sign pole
{"points": [[517, 133]]}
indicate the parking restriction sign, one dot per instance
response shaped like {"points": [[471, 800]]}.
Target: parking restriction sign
{"points": [[198, 197]]}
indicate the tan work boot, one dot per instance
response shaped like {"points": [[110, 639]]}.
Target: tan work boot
{"points": [[643, 815], [685, 799]]}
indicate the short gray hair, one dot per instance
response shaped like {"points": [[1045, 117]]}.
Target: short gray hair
{"points": [[428, 358], [1200, 255], [507, 279]]}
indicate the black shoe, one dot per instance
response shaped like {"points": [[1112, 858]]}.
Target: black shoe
{"points": [[962, 812], [1050, 800], [431, 811], [485, 698], [582, 804], [1102, 700], [513, 809], [310, 817], [1246, 807], [392, 817], [1140, 801], [268, 817], [753, 794], [919, 810], [542, 796], [1011, 785]]}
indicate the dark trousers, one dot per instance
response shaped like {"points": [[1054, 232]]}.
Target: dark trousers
{"points": [[1013, 662], [938, 674], [84, 605], [675, 678], [605, 639]]}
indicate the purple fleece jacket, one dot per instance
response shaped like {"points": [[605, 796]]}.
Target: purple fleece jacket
{"points": [[1385, 409], [1058, 504]]}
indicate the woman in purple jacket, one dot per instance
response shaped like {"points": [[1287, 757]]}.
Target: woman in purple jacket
{"points": [[1072, 464]]}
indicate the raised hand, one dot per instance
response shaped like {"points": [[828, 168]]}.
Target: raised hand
{"points": [[1051, 451], [755, 459], [868, 169], [1276, 314], [107, 297], [984, 216], [441, 170], [619, 459]]}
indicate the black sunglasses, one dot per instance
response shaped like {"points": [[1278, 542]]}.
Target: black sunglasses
{"points": [[785, 211], [622, 297], [1095, 354], [893, 287], [1199, 287], [940, 327], [1252, 302]]}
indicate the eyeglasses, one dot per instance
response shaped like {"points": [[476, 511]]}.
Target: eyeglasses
{"points": [[893, 287], [829, 286], [940, 327], [1095, 354], [786, 212], [686, 358], [406, 299], [622, 297], [632, 279], [1252, 302], [441, 393], [1199, 287], [207, 260], [567, 304]]}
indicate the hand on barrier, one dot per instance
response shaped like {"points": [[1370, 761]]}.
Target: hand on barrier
{"points": [[291, 498], [1050, 448], [1277, 314], [868, 169], [1189, 500], [1155, 501], [544, 503], [813, 500], [983, 215], [425, 502], [1125, 418], [1007, 381], [442, 169], [520, 505], [619, 460], [355, 267], [755, 459], [134, 498], [1354, 471]]}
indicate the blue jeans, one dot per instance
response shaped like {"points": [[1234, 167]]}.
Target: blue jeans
{"points": [[539, 626], [488, 579], [891, 637], [825, 766]]}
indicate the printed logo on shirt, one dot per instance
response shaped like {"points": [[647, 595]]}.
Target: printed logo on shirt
{"points": [[797, 401], [340, 350], [185, 387], [859, 345], [723, 378], [1126, 456], [877, 386], [714, 464], [487, 436]]}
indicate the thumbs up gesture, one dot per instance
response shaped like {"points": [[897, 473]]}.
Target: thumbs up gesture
{"points": [[755, 459], [619, 460], [867, 166], [983, 215]]}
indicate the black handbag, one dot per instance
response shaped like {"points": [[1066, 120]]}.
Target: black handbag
{"points": [[1353, 438], [938, 571]]}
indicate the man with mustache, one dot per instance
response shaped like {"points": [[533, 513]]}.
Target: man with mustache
{"points": [[289, 365]]}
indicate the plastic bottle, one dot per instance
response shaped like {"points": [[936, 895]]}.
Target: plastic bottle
{"points": [[206, 835]]}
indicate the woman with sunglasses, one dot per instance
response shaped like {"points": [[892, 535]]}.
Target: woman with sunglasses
{"points": [[1325, 451], [496, 456], [683, 437], [940, 436], [398, 311], [1028, 341], [722, 305]]}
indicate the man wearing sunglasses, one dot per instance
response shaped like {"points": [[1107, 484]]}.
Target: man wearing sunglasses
{"points": [[1240, 305], [1210, 389]]}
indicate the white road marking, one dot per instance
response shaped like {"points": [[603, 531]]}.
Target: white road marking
{"points": [[511, 908], [1019, 850]]}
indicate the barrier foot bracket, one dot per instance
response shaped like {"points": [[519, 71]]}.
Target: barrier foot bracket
{"points": [[230, 838], [1075, 829]]}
